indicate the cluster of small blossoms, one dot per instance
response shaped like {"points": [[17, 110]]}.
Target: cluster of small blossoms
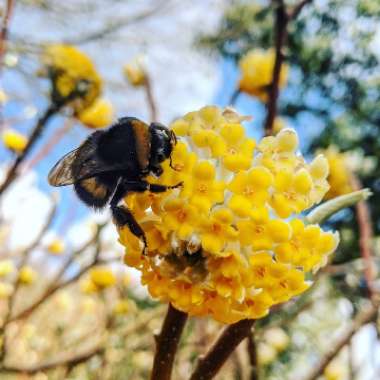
{"points": [[256, 69], [75, 81], [229, 243]]}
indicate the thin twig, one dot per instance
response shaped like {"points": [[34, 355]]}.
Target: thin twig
{"points": [[54, 287], [167, 343], [280, 27], [64, 360], [234, 97], [37, 130], [4, 30], [360, 320], [116, 25], [24, 258], [230, 338], [363, 217], [50, 144], [298, 8], [150, 98]]}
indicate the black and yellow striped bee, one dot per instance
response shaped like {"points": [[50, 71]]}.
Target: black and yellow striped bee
{"points": [[111, 163]]}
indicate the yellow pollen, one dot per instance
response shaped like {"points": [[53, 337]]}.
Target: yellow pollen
{"points": [[181, 215], [248, 190], [259, 229], [216, 228], [202, 188], [232, 151]]}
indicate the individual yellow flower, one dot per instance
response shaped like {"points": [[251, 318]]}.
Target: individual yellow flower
{"points": [[261, 232], [339, 177], [56, 246], [98, 115], [250, 189], [219, 245], [27, 275], [102, 277], [257, 73], [6, 267], [14, 140], [216, 230], [135, 72], [73, 76]]}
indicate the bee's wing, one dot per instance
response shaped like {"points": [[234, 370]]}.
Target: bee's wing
{"points": [[61, 174], [81, 163]]}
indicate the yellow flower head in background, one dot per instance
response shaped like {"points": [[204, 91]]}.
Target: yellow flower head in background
{"points": [[135, 72], [27, 275], [56, 246], [102, 277], [256, 69], [222, 244], [339, 177], [14, 140], [73, 75], [98, 115]]}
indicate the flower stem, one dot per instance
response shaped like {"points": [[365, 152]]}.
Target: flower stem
{"points": [[39, 127], [230, 338], [167, 343]]}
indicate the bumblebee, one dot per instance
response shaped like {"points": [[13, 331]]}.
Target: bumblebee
{"points": [[110, 164]]}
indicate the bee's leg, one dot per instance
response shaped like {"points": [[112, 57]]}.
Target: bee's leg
{"points": [[123, 216], [141, 186]]}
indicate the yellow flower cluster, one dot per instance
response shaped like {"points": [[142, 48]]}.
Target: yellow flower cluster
{"points": [[222, 245], [14, 140], [339, 177], [98, 115], [73, 76], [27, 275], [100, 278], [135, 73], [56, 246], [257, 73]]}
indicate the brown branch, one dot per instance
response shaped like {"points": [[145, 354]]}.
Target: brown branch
{"points": [[150, 98], [280, 27], [252, 354], [298, 8], [50, 144], [363, 217], [36, 132], [4, 30], [364, 317], [234, 97], [167, 343], [64, 360], [214, 359]]}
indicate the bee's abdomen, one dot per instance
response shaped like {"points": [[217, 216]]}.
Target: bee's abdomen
{"points": [[94, 192]]}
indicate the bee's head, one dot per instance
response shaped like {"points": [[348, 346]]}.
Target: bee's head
{"points": [[162, 142]]}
